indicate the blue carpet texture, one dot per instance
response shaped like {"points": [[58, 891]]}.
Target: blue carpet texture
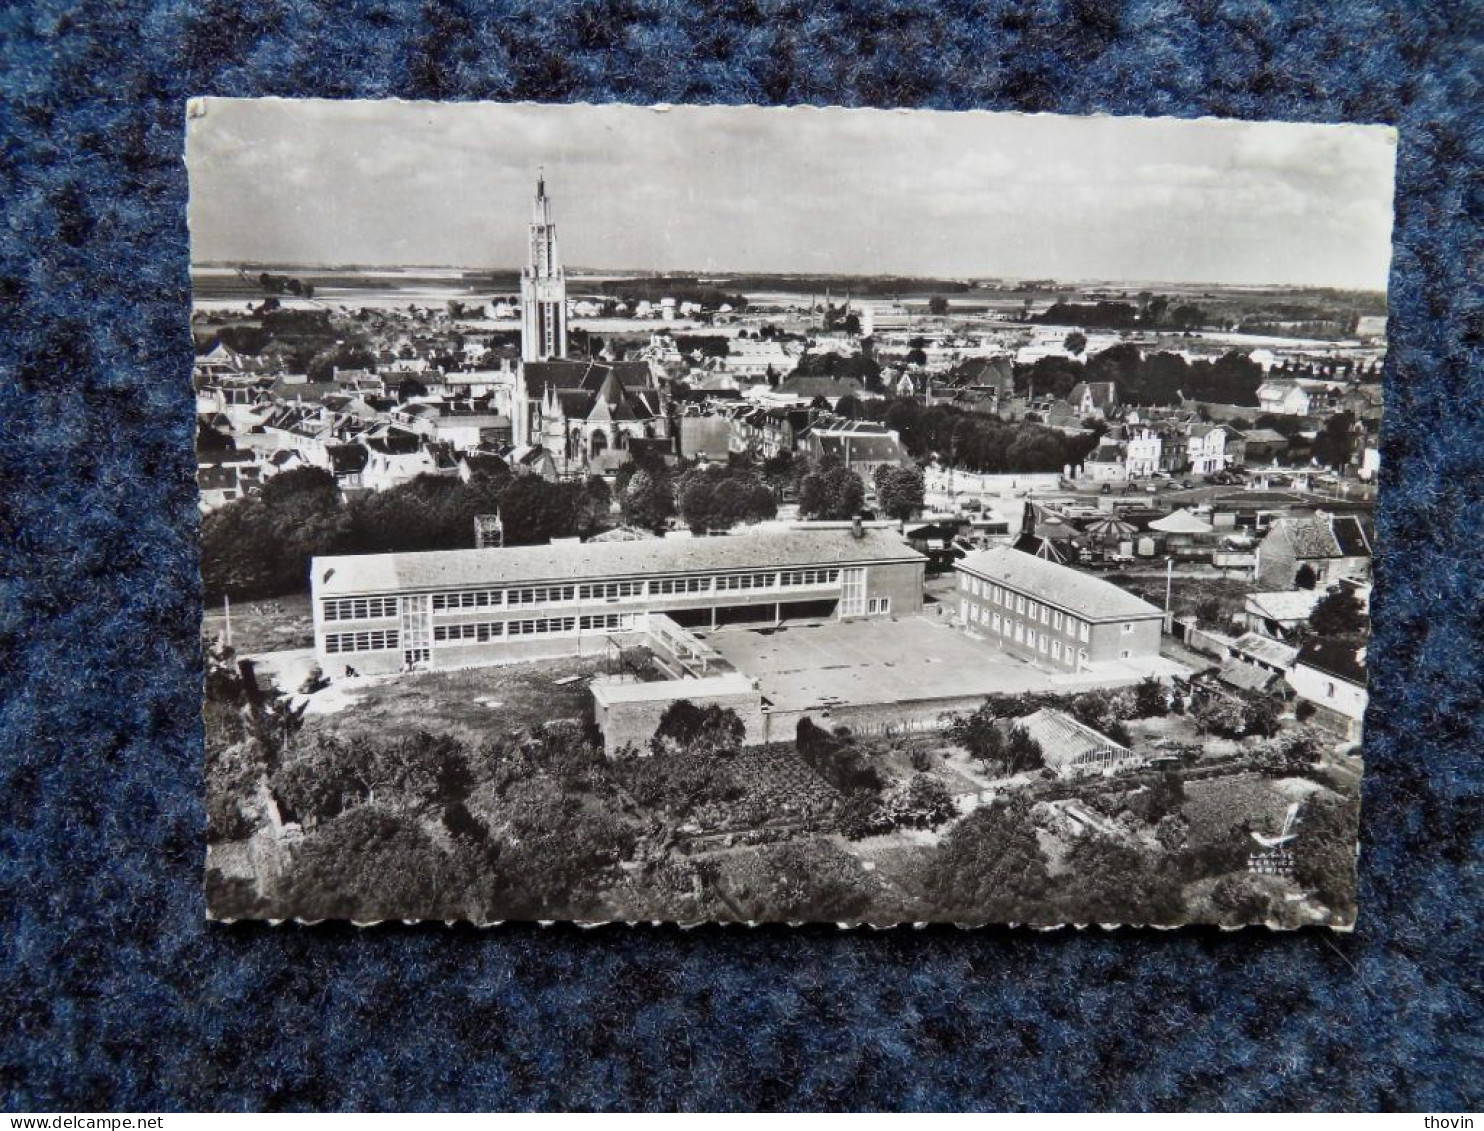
{"points": [[116, 993]]}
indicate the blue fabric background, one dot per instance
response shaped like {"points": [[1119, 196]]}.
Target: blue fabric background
{"points": [[115, 991]]}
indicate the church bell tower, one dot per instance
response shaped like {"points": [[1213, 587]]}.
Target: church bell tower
{"points": [[543, 287]]}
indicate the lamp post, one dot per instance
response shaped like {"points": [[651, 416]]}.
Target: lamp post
{"points": [[1169, 585]]}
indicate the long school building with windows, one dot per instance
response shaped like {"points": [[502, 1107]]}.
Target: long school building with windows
{"points": [[459, 608], [1052, 614]]}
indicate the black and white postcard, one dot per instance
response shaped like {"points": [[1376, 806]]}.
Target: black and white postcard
{"points": [[728, 514]]}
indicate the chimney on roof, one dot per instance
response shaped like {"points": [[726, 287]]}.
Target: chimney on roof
{"points": [[857, 528]]}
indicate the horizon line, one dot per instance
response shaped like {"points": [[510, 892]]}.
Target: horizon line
{"points": [[642, 272]]}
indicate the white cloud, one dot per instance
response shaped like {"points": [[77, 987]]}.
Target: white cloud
{"points": [[802, 189]]}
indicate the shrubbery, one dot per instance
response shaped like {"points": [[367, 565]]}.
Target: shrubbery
{"points": [[835, 759]]}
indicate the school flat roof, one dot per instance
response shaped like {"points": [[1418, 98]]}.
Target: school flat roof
{"points": [[454, 569], [1089, 597], [913, 659]]}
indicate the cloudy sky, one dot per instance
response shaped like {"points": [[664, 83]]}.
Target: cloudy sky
{"points": [[716, 189]]}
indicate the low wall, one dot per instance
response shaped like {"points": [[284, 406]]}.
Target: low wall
{"points": [[969, 481]]}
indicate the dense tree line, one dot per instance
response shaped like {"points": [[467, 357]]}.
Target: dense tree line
{"points": [[1155, 313], [1156, 379], [261, 546], [977, 442]]}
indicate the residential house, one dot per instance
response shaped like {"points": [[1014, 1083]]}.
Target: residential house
{"points": [[1264, 445], [862, 451], [1330, 676], [1332, 547], [1283, 396], [1093, 398], [347, 463], [1107, 463], [1212, 448], [766, 432], [832, 389], [226, 475], [1143, 451]]}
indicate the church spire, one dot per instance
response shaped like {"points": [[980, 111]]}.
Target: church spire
{"points": [[543, 286]]}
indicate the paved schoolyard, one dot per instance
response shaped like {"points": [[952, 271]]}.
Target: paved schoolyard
{"points": [[896, 660]]}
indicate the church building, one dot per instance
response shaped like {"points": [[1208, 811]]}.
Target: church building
{"points": [[585, 412]]}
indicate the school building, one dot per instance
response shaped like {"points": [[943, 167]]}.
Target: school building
{"points": [[1052, 614], [378, 613]]}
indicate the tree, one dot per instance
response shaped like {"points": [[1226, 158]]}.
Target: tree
{"points": [[990, 867], [980, 735], [719, 498], [1335, 444], [1151, 700], [831, 493], [1111, 881], [1324, 854], [1260, 718], [1022, 752], [648, 500], [239, 551], [535, 510], [938, 305], [1338, 614], [1220, 715], [372, 864], [1075, 343], [1305, 578], [686, 726], [900, 491]]}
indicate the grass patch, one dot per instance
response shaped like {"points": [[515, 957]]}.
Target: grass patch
{"points": [[271, 625], [473, 704]]}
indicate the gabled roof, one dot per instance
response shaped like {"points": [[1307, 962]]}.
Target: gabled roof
{"points": [[1343, 659], [1065, 741], [1285, 605], [484, 463], [1323, 537], [1246, 677], [1351, 535], [869, 448], [1104, 393], [1089, 597], [384, 573], [588, 375], [1264, 649]]}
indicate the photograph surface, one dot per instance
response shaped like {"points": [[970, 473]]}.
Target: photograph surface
{"points": [[728, 514]]}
